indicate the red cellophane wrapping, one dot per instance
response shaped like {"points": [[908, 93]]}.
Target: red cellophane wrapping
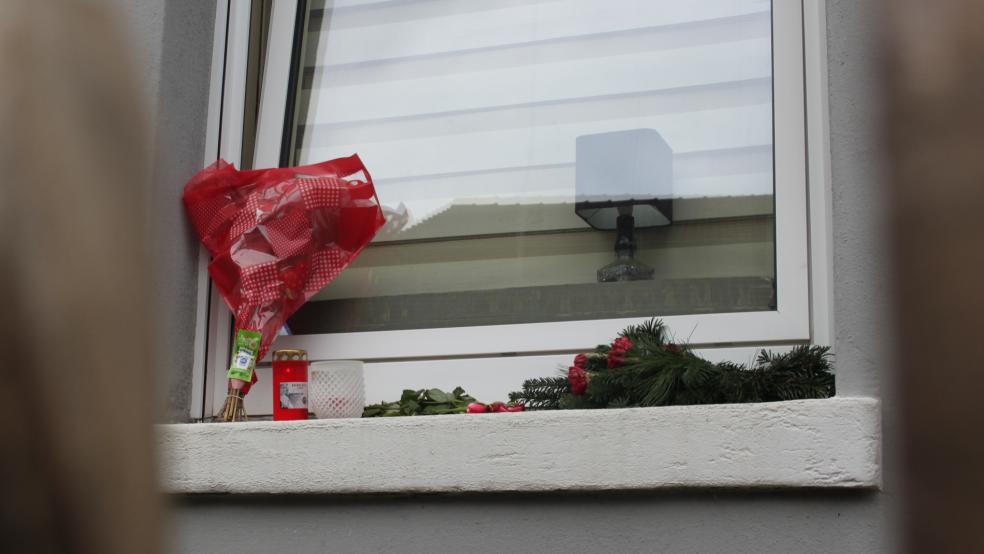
{"points": [[277, 236]]}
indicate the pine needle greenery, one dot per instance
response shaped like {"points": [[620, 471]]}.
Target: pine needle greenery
{"points": [[649, 370]]}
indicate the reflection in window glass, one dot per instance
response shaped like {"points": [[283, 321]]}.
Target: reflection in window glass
{"points": [[506, 137]]}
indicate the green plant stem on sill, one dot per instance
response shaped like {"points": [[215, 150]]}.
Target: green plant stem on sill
{"points": [[422, 402]]}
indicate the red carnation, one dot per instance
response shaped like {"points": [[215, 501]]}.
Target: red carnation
{"points": [[477, 408], [616, 354], [578, 378], [581, 361], [623, 343]]}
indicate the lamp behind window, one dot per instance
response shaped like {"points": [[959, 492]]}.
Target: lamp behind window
{"points": [[624, 180]]}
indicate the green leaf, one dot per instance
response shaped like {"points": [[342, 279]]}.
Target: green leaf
{"points": [[437, 395]]}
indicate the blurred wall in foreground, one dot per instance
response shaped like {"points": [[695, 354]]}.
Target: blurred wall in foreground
{"points": [[935, 137], [77, 327]]}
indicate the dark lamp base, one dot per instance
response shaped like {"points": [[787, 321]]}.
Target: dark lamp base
{"points": [[625, 269]]}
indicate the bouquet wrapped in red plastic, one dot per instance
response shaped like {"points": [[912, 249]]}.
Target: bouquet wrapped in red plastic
{"points": [[277, 236]]}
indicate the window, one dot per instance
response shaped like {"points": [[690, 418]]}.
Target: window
{"points": [[475, 120]]}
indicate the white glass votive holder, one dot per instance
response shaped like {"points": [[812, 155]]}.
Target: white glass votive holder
{"points": [[336, 389]]}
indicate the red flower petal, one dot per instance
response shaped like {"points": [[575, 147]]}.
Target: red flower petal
{"points": [[578, 379]]}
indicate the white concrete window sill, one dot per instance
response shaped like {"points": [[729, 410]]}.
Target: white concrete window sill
{"points": [[832, 443]]}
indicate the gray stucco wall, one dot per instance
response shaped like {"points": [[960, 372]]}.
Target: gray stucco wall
{"points": [[181, 111], [173, 55], [815, 521], [799, 523]]}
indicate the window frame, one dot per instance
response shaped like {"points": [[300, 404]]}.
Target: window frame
{"points": [[802, 212]]}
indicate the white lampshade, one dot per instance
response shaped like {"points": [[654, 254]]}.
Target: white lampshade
{"points": [[624, 168]]}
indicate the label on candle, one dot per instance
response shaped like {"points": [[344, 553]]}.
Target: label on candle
{"points": [[293, 395]]}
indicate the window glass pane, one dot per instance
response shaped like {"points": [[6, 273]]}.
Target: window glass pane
{"points": [[507, 137]]}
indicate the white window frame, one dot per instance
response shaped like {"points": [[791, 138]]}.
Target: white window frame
{"points": [[802, 213]]}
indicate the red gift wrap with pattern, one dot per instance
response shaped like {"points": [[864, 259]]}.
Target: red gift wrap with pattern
{"points": [[278, 236]]}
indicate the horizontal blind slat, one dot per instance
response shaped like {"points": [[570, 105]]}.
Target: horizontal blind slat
{"points": [[480, 90], [428, 199], [648, 39], [549, 145], [681, 100], [433, 194], [509, 25]]}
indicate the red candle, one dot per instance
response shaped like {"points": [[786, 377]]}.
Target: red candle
{"points": [[290, 385]]}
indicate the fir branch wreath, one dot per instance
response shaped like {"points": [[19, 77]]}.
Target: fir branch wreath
{"points": [[643, 368]]}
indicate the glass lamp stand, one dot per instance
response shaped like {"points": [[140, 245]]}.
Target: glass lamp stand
{"points": [[625, 267]]}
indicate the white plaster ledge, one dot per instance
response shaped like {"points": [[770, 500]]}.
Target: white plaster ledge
{"points": [[832, 443]]}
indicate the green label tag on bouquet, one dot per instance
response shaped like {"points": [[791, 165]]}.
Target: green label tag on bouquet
{"points": [[244, 355]]}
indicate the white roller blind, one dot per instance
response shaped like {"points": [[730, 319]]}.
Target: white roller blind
{"points": [[477, 102]]}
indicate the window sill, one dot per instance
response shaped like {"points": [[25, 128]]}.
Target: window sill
{"points": [[832, 443]]}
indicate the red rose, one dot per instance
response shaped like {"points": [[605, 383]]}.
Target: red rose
{"points": [[616, 354], [476, 408], [623, 343], [497, 407], [578, 378], [516, 408], [581, 361]]}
